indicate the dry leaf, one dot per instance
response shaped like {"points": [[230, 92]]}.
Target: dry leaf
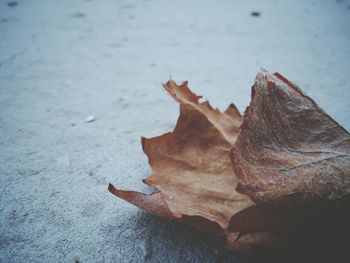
{"points": [[191, 166], [290, 160], [293, 160], [288, 145]]}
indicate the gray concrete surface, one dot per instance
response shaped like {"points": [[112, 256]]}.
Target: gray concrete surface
{"points": [[61, 61]]}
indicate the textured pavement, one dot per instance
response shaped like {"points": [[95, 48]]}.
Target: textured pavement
{"points": [[62, 61]]}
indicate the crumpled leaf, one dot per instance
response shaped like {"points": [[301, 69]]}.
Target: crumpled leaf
{"points": [[254, 182], [191, 166], [288, 145], [293, 161]]}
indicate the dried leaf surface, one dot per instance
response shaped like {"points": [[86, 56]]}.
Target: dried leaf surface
{"points": [[293, 160], [191, 165], [288, 145], [257, 182]]}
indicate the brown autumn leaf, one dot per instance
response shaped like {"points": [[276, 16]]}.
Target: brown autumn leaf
{"points": [[293, 160], [288, 145], [290, 160], [191, 166]]}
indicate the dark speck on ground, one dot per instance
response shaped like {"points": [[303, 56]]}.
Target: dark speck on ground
{"points": [[78, 15], [12, 4]]}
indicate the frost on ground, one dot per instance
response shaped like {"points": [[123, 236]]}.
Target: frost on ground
{"points": [[61, 61]]}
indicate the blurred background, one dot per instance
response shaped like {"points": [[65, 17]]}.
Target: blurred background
{"points": [[80, 82]]}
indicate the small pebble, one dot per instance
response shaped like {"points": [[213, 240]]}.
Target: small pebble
{"points": [[127, 233], [63, 161], [89, 118]]}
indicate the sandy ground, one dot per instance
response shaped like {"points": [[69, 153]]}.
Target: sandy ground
{"points": [[61, 61]]}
